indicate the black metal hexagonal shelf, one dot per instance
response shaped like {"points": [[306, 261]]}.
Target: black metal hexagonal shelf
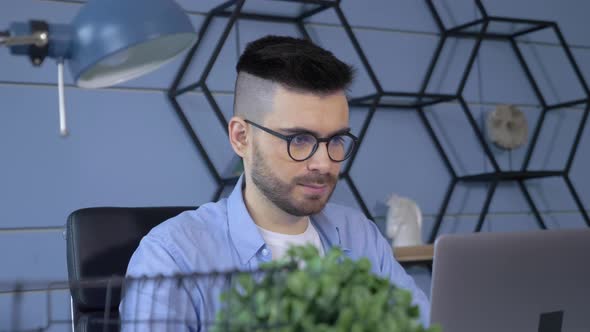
{"points": [[519, 28]]}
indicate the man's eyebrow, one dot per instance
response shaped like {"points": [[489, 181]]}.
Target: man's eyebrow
{"points": [[299, 130]]}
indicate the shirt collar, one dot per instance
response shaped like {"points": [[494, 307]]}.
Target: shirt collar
{"points": [[329, 233]]}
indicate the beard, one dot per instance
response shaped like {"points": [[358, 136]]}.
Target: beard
{"points": [[283, 195]]}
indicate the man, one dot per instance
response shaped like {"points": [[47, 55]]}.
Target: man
{"points": [[291, 129]]}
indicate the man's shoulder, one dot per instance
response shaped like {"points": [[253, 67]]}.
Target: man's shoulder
{"points": [[194, 240], [207, 219]]}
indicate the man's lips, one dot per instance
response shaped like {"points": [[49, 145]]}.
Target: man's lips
{"points": [[314, 185], [314, 188]]}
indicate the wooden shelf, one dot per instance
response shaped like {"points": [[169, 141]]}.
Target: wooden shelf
{"points": [[410, 254]]}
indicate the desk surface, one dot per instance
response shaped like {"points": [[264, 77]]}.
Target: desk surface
{"points": [[422, 253]]}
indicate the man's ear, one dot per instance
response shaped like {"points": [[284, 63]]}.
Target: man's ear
{"points": [[238, 135]]}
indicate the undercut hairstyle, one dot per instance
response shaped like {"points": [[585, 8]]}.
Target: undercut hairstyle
{"points": [[294, 64]]}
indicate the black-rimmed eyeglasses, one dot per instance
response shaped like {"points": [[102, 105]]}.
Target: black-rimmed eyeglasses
{"points": [[302, 146]]}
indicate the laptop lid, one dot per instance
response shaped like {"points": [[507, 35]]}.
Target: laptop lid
{"points": [[525, 281]]}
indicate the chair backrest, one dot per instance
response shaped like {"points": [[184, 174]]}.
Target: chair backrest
{"points": [[100, 242]]}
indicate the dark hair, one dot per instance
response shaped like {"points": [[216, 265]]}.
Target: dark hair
{"points": [[296, 64]]}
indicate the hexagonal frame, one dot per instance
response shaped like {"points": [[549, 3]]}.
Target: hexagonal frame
{"points": [[498, 175]]}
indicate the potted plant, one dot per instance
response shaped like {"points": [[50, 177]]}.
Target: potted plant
{"points": [[306, 292]]}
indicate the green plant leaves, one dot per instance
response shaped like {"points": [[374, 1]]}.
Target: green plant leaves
{"points": [[306, 292]]}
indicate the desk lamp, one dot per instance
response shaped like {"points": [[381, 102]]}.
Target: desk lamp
{"points": [[107, 43]]}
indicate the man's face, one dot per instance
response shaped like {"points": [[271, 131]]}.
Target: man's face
{"points": [[299, 188]]}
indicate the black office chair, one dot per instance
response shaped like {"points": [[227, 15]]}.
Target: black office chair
{"points": [[100, 242]]}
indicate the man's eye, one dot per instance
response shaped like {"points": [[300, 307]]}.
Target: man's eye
{"points": [[338, 140], [303, 140]]}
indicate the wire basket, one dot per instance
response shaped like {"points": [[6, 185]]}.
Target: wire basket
{"points": [[181, 302]]}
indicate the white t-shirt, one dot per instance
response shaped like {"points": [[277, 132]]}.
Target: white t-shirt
{"points": [[279, 243]]}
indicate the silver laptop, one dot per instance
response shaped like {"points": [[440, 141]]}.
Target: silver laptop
{"points": [[537, 281]]}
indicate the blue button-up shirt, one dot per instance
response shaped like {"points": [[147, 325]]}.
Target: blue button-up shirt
{"points": [[222, 236]]}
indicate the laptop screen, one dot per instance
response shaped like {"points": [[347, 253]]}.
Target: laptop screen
{"points": [[525, 281]]}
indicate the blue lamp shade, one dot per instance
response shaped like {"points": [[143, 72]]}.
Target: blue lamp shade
{"points": [[117, 40]]}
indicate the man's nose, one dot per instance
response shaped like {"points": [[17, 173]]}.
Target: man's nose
{"points": [[320, 160]]}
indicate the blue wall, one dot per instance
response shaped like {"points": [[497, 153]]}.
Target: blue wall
{"points": [[127, 147]]}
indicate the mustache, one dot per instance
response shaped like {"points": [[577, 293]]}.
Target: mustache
{"points": [[316, 178]]}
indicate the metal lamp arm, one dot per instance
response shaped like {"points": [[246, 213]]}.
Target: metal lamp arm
{"points": [[38, 39], [32, 39], [3, 36]]}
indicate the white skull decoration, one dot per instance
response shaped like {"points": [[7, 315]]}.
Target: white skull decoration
{"points": [[507, 127]]}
